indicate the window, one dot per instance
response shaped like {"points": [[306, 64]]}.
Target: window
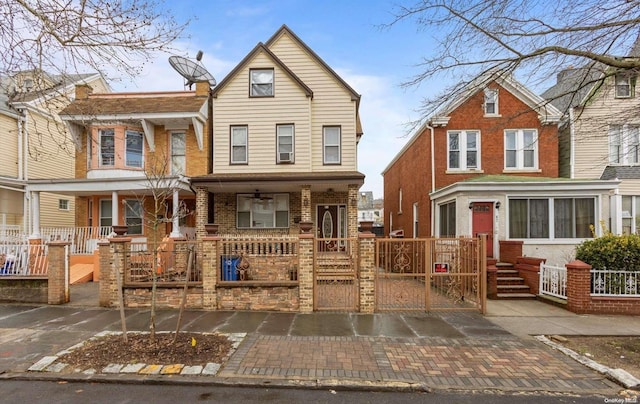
{"points": [[133, 216], [448, 219], [490, 101], [521, 149], [263, 211], [551, 217], [106, 218], [261, 82], [623, 86], [624, 144], [178, 156], [285, 133], [463, 149], [107, 147], [90, 212], [331, 144], [63, 204], [631, 214], [133, 151], [239, 139]]}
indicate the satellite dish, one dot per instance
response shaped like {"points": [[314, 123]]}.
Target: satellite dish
{"points": [[191, 71]]}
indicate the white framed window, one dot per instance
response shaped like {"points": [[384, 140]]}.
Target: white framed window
{"points": [[63, 204], [285, 143], [178, 153], [133, 148], [107, 147], [521, 149], [106, 212], [133, 216], [623, 86], [331, 144], [239, 145], [624, 144], [490, 101], [551, 218], [463, 149], [447, 219], [261, 82], [631, 214], [262, 211], [90, 212]]}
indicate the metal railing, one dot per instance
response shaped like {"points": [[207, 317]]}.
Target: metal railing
{"points": [[23, 259], [553, 281], [169, 262], [267, 259], [615, 283]]}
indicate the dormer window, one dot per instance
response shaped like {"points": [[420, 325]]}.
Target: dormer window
{"points": [[490, 101], [27, 85], [623, 86], [261, 82]]}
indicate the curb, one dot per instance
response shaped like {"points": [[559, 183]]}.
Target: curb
{"points": [[619, 376]]}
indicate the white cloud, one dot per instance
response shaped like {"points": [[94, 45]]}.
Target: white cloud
{"points": [[384, 111]]}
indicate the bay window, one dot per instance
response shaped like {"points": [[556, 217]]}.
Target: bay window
{"points": [[551, 218]]}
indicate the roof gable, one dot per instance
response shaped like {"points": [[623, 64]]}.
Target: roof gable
{"points": [[260, 48], [547, 113], [286, 31]]}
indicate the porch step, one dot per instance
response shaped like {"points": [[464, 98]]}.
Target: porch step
{"points": [[516, 296], [513, 287], [80, 273], [510, 280], [507, 272]]}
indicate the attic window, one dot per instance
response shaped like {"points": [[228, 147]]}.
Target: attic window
{"points": [[623, 86], [490, 101], [27, 85], [261, 82]]}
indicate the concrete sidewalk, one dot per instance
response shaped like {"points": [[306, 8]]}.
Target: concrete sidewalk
{"points": [[449, 350]]}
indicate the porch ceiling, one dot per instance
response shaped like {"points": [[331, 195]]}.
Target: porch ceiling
{"points": [[279, 182]]}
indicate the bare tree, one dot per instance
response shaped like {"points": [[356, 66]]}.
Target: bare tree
{"points": [[105, 36], [532, 39]]}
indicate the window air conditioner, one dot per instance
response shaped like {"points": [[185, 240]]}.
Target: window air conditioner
{"points": [[286, 157]]}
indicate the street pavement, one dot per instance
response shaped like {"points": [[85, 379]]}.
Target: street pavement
{"points": [[417, 351]]}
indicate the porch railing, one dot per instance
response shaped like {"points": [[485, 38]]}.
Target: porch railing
{"points": [[84, 240], [23, 259], [170, 262], [553, 281], [10, 233], [615, 283]]}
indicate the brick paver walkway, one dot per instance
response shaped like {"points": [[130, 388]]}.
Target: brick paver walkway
{"points": [[434, 362]]}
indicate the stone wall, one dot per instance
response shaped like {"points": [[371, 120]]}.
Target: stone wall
{"points": [[16, 289]]}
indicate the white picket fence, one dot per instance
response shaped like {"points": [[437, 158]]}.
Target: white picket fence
{"points": [[553, 281], [84, 240]]}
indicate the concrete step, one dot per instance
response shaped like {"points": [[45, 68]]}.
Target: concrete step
{"points": [[507, 272], [513, 287], [516, 296], [510, 280], [504, 265]]}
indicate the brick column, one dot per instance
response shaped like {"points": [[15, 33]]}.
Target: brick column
{"points": [[305, 201], [118, 264], [366, 247], [202, 209], [578, 286], [108, 292], [58, 288], [210, 271], [352, 210], [305, 272]]}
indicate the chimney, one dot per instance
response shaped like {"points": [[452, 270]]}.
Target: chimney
{"points": [[202, 88], [83, 91]]}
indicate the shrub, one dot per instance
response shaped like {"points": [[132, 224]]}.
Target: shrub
{"points": [[611, 252]]}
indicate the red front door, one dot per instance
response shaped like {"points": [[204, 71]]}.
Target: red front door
{"points": [[483, 223]]}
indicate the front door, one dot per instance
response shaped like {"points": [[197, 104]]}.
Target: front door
{"points": [[483, 223], [331, 224]]}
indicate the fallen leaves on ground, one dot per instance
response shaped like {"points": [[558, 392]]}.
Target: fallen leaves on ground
{"points": [[613, 352]]}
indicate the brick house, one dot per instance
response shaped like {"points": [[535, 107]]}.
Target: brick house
{"points": [[488, 164]]}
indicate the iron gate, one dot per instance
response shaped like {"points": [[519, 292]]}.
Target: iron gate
{"points": [[430, 274], [336, 284]]}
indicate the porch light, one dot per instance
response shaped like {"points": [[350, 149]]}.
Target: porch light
{"points": [[498, 205], [470, 205], [305, 201]]}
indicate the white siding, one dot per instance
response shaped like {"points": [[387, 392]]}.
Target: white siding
{"points": [[9, 140]]}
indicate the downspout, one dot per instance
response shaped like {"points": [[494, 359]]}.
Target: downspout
{"points": [[21, 120], [433, 181], [27, 208], [571, 145]]}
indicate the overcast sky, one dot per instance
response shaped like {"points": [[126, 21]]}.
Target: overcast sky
{"points": [[346, 34]]}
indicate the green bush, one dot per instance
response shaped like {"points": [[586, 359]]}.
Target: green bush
{"points": [[611, 252]]}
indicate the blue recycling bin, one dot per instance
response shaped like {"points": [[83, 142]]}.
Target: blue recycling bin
{"points": [[230, 268]]}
